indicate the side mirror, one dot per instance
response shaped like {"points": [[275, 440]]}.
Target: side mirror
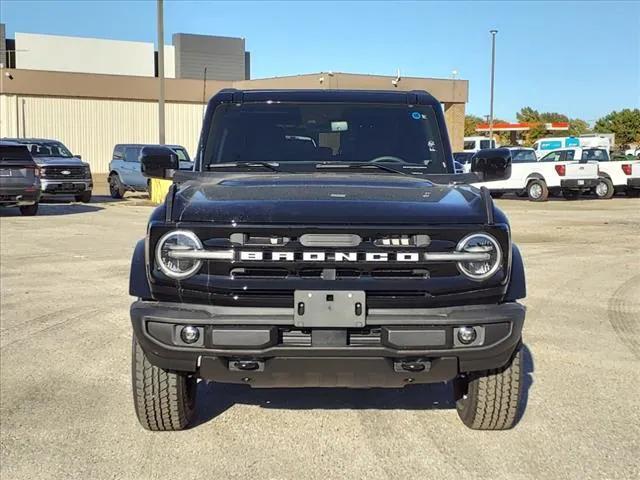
{"points": [[492, 164], [79, 157], [158, 161]]}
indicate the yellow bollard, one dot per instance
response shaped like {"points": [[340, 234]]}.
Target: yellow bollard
{"points": [[159, 189]]}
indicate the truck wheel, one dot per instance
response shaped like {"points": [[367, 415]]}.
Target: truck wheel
{"points": [[571, 194], [115, 187], [537, 191], [84, 197], [605, 189], [492, 397], [164, 400], [29, 210]]}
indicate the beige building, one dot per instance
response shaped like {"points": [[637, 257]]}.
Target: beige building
{"points": [[94, 93], [91, 113]]}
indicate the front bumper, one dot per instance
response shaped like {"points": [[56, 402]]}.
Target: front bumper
{"points": [[579, 184], [633, 182], [66, 187], [395, 347], [19, 196]]}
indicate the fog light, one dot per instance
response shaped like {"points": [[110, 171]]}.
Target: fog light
{"points": [[467, 335], [189, 334]]}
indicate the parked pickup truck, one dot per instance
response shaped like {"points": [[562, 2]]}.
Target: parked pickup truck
{"points": [[359, 259], [614, 176], [555, 173], [124, 169], [61, 172], [19, 178]]}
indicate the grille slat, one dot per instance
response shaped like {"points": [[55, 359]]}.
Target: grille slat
{"points": [[55, 173]]}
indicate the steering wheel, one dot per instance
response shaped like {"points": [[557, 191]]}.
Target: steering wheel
{"points": [[387, 158]]}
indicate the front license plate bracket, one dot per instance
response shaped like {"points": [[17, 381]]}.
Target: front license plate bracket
{"points": [[329, 308]]}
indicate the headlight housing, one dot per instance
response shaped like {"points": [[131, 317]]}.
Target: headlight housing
{"points": [[178, 240], [480, 243]]}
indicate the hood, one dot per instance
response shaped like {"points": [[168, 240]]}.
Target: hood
{"points": [[326, 198], [72, 161]]}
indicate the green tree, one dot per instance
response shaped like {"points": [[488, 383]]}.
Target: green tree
{"points": [[625, 124], [470, 124]]}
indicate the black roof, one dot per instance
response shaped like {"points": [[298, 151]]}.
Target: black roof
{"points": [[30, 140], [358, 96]]}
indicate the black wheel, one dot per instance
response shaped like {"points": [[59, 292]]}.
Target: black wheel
{"points": [[497, 194], [164, 400], [633, 192], [84, 197], [29, 210], [537, 191], [605, 189], [571, 194], [115, 186], [490, 400]]}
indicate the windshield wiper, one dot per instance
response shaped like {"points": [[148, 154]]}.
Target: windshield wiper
{"points": [[362, 165], [269, 165]]}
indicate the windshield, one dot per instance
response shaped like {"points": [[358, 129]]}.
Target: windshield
{"points": [[325, 132], [48, 150]]}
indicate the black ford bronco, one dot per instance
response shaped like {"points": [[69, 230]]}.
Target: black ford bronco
{"points": [[324, 240]]}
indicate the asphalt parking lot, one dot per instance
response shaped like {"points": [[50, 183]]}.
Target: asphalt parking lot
{"points": [[66, 408]]}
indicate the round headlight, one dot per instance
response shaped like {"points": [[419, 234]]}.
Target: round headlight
{"points": [[172, 243], [480, 243]]}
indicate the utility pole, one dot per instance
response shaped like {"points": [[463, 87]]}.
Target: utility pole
{"points": [[161, 72], [493, 69]]}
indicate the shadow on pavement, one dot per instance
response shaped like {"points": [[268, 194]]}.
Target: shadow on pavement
{"points": [[51, 209], [215, 398]]}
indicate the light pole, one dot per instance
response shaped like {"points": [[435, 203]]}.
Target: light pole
{"points": [[161, 72], [493, 68]]}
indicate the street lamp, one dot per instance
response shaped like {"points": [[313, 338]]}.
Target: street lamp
{"points": [[493, 68], [160, 19]]}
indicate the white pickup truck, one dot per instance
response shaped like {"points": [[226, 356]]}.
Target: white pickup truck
{"points": [[554, 173], [623, 176]]}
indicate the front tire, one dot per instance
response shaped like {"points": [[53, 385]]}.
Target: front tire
{"points": [[164, 400], [492, 397], [29, 210], [605, 189], [84, 197], [537, 191], [116, 189]]}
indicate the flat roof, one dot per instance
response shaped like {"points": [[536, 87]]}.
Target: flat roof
{"points": [[124, 87]]}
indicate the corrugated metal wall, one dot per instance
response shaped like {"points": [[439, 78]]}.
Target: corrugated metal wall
{"points": [[91, 127]]}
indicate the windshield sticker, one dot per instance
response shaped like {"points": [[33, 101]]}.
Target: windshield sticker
{"points": [[432, 146], [416, 115]]}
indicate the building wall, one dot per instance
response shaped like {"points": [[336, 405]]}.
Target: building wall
{"points": [[454, 116], [91, 127], [89, 55], [224, 57]]}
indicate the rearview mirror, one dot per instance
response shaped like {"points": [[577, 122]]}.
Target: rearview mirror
{"points": [[492, 164], [158, 161]]}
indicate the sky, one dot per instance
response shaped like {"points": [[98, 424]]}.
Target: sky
{"points": [[577, 58]]}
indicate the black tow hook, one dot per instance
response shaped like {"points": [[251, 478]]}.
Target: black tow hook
{"points": [[413, 366], [247, 365]]}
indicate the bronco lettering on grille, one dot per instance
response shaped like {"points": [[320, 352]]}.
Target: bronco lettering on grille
{"points": [[320, 256]]}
